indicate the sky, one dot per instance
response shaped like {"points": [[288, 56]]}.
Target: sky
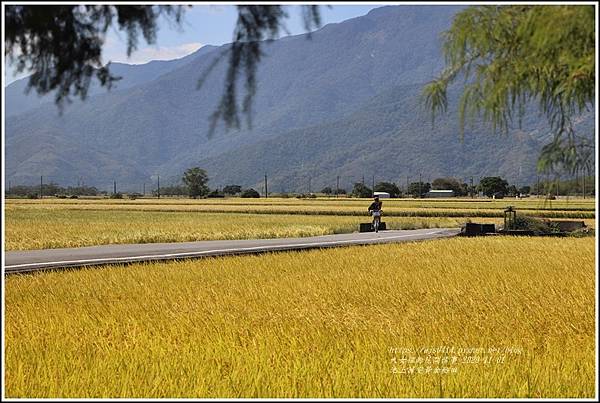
{"points": [[202, 25]]}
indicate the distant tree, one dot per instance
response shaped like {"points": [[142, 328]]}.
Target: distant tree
{"points": [[327, 190], [341, 191], [19, 190], [134, 195], [360, 190], [493, 184], [196, 179], [48, 189], [449, 184], [387, 187], [250, 193], [82, 191], [215, 193], [569, 186], [470, 190], [525, 190], [414, 188], [52, 189], [172, 190], [512, 190], [507, 56], [232, 189]]}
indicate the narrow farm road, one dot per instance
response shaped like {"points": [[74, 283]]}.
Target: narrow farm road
{"points": [[35, 260]]}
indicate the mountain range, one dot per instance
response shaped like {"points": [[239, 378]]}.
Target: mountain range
{"points": [[344, 101]]}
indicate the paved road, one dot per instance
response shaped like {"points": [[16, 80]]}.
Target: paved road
{"points": [[34, 260]]}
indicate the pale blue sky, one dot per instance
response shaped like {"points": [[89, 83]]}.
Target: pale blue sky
{"points": [[203, 25]]}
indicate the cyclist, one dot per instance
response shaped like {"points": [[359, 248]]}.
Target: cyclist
{"points": [[375, 211]]}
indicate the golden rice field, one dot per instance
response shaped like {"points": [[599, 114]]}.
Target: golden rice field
{"points": [[323, 323], [56, 223], [43, 229], [393, 207], [530, 203]]}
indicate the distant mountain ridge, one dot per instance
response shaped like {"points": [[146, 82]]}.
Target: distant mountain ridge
{"points": [[130, 76], [345, 102]]}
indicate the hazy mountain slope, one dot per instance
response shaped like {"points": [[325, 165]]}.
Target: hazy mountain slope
{"points": [[19, 101], [335, 104], [389, 137], [301, 82]]}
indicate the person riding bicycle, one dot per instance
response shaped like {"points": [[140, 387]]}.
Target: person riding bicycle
{"points": [[375, 211]]}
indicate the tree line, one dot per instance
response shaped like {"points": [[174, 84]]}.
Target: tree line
{"points": [[490, 186], [194, 184], [53, 189]]}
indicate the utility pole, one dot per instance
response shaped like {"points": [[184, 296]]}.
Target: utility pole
{"points": [[41, 186], [373, 182], [9, 186], [309, 179], [584, 185], [420, 186], [537, 189], [266, 188], [144, 189], [407, 185], [363, 180], [115, 187], [471, 189], [337, 185], [158, 190], [518, 180]]}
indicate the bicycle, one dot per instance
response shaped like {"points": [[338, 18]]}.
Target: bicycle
{"points": [[376, 219]]}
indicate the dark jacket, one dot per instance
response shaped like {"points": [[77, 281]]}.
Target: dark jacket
{"points": [[375, 206]]}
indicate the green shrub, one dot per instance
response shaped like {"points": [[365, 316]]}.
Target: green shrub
{"points": [[534, 224], [250, 193]]}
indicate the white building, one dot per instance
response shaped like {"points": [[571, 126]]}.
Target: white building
{"points": [[382, 195], [440, 193]]}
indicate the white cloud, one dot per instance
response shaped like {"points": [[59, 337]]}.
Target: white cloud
{"points": [[144, 55]]}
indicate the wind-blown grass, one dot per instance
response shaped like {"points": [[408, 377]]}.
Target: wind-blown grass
{"points": [[56, 223], [310, 324], [62, 228], [352, 207]]}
